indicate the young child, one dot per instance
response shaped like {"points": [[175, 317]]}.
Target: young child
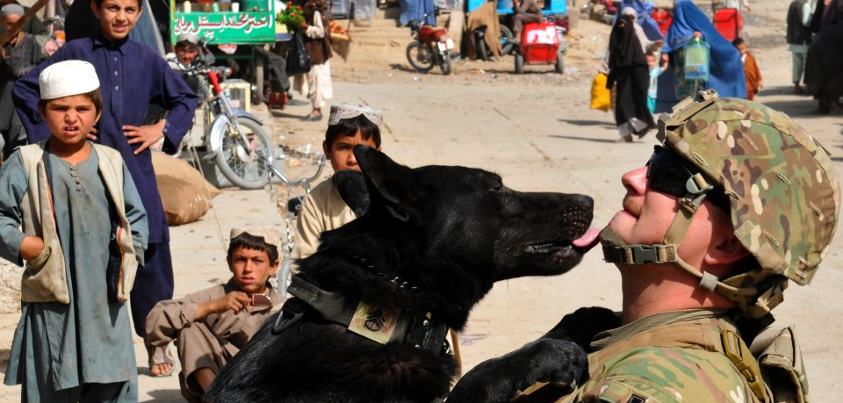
{"points": [[323, 209], [750, 69], [212, 325], [656, 70], [84, 233], [133, 76]]}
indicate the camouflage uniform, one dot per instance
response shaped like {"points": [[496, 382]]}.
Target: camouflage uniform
{"points": [[784, 198]]}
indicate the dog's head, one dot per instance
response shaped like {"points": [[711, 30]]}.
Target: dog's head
{"points": [[469, 217]]}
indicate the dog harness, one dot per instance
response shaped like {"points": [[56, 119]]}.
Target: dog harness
{"points": [[380, 324]]}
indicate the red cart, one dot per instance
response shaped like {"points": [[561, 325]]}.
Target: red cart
{"points": [[540, 44]]}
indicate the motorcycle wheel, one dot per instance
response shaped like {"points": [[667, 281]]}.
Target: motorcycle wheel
{"points": [[446, 64], [560, 63], [239, 167], [519, 63], [506, 40], [420, 57], [482, 51]]}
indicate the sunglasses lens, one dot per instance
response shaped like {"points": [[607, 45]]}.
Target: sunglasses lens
{"points": [[667, 173]]}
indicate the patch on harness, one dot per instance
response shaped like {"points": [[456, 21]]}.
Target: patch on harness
{"points": [[636, 399], [376, 323]]}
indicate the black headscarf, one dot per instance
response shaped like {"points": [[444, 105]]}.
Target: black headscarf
{"points": [[624, 48]]}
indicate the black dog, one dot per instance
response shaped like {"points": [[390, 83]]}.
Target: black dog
{"points": [[374, 304]]}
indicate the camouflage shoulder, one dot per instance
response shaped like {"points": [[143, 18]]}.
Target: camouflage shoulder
{"points": [[666, 375]]}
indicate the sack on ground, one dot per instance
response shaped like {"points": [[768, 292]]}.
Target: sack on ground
{"points": [[185, 194], [601, 97]]}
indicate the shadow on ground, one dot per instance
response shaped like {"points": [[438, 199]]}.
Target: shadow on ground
{"points": [[586, 122], [591, 139], [165, 396]]}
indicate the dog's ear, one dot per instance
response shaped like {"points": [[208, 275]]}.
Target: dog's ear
{"points": [[385, 177], [352, 188]]}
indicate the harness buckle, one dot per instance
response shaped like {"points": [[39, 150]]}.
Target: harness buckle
{"points": [[295, 308]]}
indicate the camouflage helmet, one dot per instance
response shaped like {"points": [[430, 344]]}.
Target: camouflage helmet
{"points": [[783, 190]]}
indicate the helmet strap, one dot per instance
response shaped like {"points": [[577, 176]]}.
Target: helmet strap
{"points": [[616, 250]]}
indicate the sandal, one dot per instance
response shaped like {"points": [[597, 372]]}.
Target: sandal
{"points": [[160, 356]]}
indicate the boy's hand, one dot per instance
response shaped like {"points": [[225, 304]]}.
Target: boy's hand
{"points": [[144, 135], [30, 247], [234, 301]]}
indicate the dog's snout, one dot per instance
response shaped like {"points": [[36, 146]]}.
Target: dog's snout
{"points": [[585, 201]]}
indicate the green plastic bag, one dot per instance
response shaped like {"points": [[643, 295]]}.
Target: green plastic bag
{"points": [[696, 61]]}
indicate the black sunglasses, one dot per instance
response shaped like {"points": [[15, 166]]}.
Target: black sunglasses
{"points": [[668, 173]]}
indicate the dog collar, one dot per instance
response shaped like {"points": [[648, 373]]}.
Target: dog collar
{"points": [[380, 324]]}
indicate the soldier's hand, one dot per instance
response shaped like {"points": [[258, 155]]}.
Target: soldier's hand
{"points": [[234, 301]]}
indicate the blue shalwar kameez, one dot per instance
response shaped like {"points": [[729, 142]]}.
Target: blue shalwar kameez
{"points": [[81, 351], [132, 76]]}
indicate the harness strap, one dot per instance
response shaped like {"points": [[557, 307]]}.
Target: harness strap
{"points": [[379, 324]]}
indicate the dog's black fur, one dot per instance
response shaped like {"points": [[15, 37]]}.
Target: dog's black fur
{"points": [[450, 232], [544, 360]]}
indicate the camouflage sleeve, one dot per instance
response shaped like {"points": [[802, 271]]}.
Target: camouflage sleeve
{"points": [[666, 375]]}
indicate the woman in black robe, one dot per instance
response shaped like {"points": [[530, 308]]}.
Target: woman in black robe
{"points": [[629, 74]]}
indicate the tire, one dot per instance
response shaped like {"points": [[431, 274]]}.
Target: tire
{"points": [[482, 51], [446, 64], [560, 63], [507, 46], [246, 172], [519, 63], [420, 57]]}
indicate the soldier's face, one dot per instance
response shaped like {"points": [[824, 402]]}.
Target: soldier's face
{"points": [[251, 269], [647, 214]]}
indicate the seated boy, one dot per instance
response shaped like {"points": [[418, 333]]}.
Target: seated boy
{"points": [[324, 209], [212, 325]]}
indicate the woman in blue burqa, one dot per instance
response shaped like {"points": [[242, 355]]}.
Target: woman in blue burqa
{"points": [[725, 67]]}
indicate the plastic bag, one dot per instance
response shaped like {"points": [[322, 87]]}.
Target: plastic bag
{"points": [[601, 97], [696, 61], [298, 60]]}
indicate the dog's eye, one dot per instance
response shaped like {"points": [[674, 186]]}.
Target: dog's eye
{"points": [[496, 187]]}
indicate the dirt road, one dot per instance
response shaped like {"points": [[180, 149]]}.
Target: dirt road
{"points": [[538, 133]]}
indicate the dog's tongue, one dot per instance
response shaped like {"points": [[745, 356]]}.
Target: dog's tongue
{"points": [[587, 240]]}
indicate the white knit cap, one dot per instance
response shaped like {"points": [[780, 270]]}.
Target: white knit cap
{"points": [[70, 77]]}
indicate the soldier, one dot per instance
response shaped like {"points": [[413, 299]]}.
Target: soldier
{"points": [[738, 201]]}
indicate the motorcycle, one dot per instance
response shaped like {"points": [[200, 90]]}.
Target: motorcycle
{"points": [[234, 138], [431, 47]]}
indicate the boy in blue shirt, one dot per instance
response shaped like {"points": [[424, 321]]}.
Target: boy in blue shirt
{"points": [[132, 76]]}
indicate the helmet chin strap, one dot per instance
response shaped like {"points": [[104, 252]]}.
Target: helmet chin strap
{"points": [[616, 250]]}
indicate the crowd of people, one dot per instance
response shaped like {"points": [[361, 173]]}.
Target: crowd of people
{"points": [[703, 252]]}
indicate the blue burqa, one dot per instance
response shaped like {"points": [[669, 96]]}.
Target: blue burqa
{"points": [[415, 10], [644, 18], [725, 71]]}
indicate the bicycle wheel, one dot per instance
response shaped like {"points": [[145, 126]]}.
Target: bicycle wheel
{"points": [[247, 170]]}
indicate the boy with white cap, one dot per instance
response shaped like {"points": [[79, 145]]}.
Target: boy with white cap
{"points": [[84, 231], [212, 325]]}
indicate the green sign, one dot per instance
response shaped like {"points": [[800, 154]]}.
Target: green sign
{"points": [[226, 27]]}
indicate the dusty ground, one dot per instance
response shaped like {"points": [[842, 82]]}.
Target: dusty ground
{"points": [[536, 131]]}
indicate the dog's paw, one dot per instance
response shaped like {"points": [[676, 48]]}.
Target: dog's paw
{"points": [[583, 324], [500, 379]]}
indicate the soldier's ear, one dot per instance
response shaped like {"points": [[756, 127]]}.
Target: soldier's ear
{"points": [[725, 252]]}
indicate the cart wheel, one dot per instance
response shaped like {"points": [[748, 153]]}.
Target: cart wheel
{"points": [[507, 46], [560, 63], [519, 63]]}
